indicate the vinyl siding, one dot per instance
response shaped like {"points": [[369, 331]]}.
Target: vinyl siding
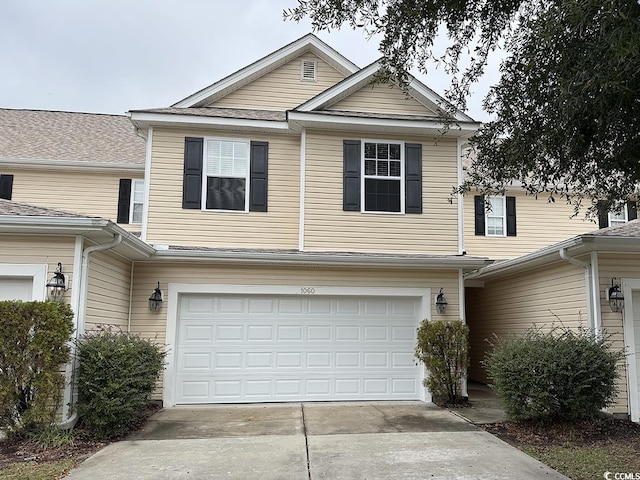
{"points": [[329, 228], [625, 265], [538, 223], [381, 98], [109, 281], [94, 194], [282, 89], [153, 326], [170, 224], [38, 249]]}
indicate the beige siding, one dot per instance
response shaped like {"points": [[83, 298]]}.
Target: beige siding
{"points": [[381, 98], [170, 224], [328, 227], [621, 266], [147, 274], [538, 224], [282, 89], [94, 194], [510, 305], [108, 291], [38, 249]]}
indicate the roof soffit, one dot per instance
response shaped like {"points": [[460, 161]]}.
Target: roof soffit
{"points": [[307, 44]]}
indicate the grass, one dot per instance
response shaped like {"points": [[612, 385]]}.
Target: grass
{"points": [[587, 462], [37, 471]]}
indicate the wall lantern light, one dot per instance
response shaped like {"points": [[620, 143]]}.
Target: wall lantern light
{"points": [[441, 303], [616, 299], [57, 285], [155, 300]]}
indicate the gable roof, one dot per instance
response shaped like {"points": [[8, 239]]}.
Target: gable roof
{"points": [[308, 43], [366, 76], [54, 137]]}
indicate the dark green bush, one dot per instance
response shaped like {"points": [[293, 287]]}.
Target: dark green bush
{"points": [[563, 374], [443, 348], [118, 372], [34, 345]]}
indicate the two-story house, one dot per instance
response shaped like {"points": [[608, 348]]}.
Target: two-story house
{"points": [[296, 216]]}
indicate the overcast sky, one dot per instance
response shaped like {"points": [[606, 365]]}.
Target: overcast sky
{"points": [[110, 56]]}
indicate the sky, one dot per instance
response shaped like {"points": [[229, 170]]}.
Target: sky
{"points": [[111, 56]]}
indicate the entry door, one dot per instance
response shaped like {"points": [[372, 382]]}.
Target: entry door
{"points": [[16, 288]]}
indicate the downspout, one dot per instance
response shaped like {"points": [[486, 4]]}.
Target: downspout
{"points": [[592, 301], [82, 307]]}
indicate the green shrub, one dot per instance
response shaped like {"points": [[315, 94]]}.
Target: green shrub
{"points": [[118, 372], [34, 344], [563, 374], [443, 348]]}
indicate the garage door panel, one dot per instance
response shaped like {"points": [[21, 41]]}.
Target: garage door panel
{"points": [[261, 349]]}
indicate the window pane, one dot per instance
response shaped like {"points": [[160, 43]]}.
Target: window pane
{"points": [[394, 151], [381, 195], [495, 226], [383, 151], [394, 169], [137, 213], [369, 167], [369, 150], [138, 192], [225, 193], [497, 207], [383, 168]]}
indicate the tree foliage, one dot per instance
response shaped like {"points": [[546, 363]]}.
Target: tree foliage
{"points": [[567, 106]]}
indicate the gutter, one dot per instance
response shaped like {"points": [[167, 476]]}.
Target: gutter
{"points": [[82, 308]]}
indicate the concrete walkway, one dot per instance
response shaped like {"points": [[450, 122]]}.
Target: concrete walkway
{"points": [[377, 440]]}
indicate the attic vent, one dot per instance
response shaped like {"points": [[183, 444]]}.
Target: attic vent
{"points": [[309, 70]]}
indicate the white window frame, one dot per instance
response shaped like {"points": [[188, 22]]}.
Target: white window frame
{"points": [[488, 214], [134, 183], [205, 176], [315, 70], [401, 178], [614, 222]]}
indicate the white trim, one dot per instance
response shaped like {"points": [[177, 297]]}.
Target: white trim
{"points": [[264, 65], [205, 175], [147, 185], [628, 286], [401, 178], [595, 295], [196, 120], [504, 216], [461, 129], [303, 186], [36, 271], [460, 197], [177, 289], [69, 165], [132, 202]]}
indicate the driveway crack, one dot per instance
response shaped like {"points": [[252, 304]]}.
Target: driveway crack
{"points": [[306, 440]]}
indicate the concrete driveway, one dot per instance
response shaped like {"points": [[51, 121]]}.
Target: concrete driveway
{"points": [[375, 440]]}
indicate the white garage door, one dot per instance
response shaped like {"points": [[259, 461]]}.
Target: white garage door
{"points": [[16, 288], [269, 349]]}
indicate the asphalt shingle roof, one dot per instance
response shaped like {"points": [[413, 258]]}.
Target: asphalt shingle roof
{"points": [[630, 229], [243, 113], [69, 136], [8, 207]]}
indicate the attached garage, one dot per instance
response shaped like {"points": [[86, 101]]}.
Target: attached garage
{"points": [[24, 282], [15, 288], [632, 344], [320, 345]]}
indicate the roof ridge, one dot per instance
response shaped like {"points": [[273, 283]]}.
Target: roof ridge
{"points": [[61, 111]]}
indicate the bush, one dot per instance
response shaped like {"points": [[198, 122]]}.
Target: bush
{"points": [[34, 344], [558, 375], [443, 348], [118, 372]]}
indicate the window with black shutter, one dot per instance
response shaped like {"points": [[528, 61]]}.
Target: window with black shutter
{"points": [[6, 187]]}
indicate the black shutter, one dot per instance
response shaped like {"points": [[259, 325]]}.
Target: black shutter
{"points": [[413, 177], [124, 200], [478, 203], [6, 186], [632, 210], [258, 176], [351, 175], [603, 216], [192, 178], [511, 216]]}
